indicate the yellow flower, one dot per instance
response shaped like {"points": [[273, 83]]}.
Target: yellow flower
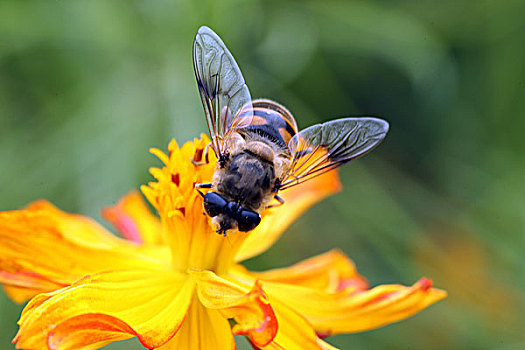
{"points": [[176, 283]]}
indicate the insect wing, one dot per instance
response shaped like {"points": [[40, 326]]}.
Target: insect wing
{"points": [[323, 147], [221, 86]]}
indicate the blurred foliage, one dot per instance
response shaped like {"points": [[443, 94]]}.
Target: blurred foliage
{"points": [[86, 87]]}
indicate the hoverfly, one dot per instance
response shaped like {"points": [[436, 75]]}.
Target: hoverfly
{"points": [[258, 146]]}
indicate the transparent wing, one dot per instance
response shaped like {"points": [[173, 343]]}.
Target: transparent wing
{"points": [[323, 147], [221, 86]]}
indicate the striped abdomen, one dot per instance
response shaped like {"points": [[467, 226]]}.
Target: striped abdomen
{"points": [[272, 122]]}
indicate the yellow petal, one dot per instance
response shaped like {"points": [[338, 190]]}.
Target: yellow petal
{"points": [[295, 333], [150, 304], [203, 329], [330, 272], [250, 308], [192, 238], [134, 221], [42, 249], [297, 200], [352, 310]]}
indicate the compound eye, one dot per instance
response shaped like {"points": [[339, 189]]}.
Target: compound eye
{"points": [[248, 220], [214, 204]]}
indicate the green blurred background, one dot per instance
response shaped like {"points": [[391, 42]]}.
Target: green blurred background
{"points": [[86, 87]]}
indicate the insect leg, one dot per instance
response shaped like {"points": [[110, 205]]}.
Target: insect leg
{"points": [[279, 200], [205, 185], [222, 231], [205, 156]]}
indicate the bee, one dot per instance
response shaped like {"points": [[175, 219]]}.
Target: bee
{"points": [[259, 149]]}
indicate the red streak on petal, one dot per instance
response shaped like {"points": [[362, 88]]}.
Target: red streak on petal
{"points": [[80, 330], [175, 178], [128, 228], [29, 279], [123, 223], [358, 284], [197, 157], [426, 283], [324, 334]]}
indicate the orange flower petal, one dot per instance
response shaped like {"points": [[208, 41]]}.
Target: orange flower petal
{"points": [[297, 200], [75, 227], [42, 249], [133, 220], [202, 329], [19, 294], [151, 304], [330, 272], [250, 309], [351, 310], [94, 329], [295, 332]]}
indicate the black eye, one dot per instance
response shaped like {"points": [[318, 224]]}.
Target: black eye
{"points": [[214, 204], [248, 220]]}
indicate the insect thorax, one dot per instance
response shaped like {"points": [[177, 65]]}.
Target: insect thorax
{"points": [[246, 179]]}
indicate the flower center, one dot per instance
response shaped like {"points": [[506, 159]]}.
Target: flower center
{"points": [[193, 240]]}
